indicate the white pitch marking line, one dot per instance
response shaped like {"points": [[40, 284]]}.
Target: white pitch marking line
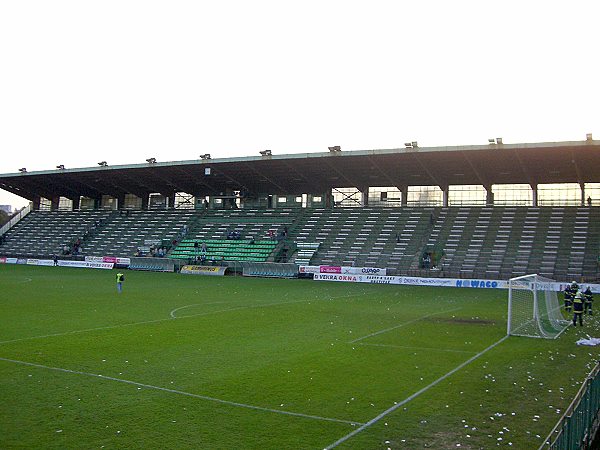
{"points": [[402, 324], [188, 394], [194, 304], [182, 307], [412, 397], [110, 327], [418, 348], [87, 330]]}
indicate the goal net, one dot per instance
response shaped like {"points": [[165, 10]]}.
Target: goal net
{"points": [[533, 308]]}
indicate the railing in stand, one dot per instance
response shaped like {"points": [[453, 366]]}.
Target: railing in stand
{"points": [[16, 219], [577, 427]]}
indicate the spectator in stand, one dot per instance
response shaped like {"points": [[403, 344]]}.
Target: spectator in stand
{"points": [[589, 201], [204, 248], [205, 204], [271, 234], [56, 261], [66, 250]]}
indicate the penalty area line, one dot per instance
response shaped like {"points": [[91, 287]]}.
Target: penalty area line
{"points": [[178, 392], [402, 325], [408, 347], [411, 397]]}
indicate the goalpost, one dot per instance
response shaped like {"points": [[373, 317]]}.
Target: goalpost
{"points": [[534, 309]]}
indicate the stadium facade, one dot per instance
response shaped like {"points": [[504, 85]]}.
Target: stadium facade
{"points": [[496, 210]]}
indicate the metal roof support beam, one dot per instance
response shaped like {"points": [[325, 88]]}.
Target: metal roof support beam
{"points": [[340, 174], [278, 186], [238, 183], [433, 178], [580, 179], [297, 172], [139, 183], [384, 173], [475, 171], [526, 175]]}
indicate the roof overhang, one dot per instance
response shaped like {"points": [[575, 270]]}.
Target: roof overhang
{"points": [[539, 163]]}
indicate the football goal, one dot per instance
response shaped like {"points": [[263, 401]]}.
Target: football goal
{"points": [[533, 308]]}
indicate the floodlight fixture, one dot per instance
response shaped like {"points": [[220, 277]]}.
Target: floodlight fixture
{"points": [[588, 137], [499, 141], [151, 160], [103, 164], [335, 149], [414, 144], [408, 145], [205, 156], [492, 140], [22, 170], [61, 167], [266, 153]]}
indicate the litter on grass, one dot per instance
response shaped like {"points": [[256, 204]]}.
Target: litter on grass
{"points": [[589, 341]]}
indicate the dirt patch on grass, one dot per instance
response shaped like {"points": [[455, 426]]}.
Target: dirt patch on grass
{"points": [[461, 321]]}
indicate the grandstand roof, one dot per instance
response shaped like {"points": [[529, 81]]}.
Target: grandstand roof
{"points": [[552, 162]]}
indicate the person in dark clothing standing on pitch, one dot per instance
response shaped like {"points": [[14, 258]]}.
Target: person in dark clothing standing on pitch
{"points": [[578, 308], [588, 298], [570, 292]]}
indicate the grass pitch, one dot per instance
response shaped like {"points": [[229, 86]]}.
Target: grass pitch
{"points": [[181, 361]]}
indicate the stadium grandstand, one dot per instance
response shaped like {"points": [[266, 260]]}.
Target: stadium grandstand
{"points": [[491, 211]]}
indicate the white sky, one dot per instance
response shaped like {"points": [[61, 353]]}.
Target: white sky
{"points": [[122, 81]]}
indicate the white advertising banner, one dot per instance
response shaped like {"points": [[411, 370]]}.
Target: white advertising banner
{"points": [[40, 262], [438, 282], [86, 264], [109, 259], [413, 281], [363, 271], [343, 270], [308, 269]]}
